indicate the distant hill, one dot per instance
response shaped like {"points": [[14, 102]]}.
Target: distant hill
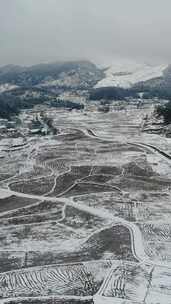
{"points": [[25, 87], [157, 87], [74, 74], [59, 84], [129, 79]]}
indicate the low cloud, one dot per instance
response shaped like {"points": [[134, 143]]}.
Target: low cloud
{"points": [[34, 31]]}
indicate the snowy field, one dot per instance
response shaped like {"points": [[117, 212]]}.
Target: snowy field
{"points": [[86, 214]]}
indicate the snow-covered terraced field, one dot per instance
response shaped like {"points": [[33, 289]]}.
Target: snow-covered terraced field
{"points": [[85, 214]]}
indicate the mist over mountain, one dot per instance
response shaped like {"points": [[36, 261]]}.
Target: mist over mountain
{"points": [[38, 31]]}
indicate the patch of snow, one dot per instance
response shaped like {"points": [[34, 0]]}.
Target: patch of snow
{"points": [[127, 73], [63, 80], [4, 194], [7, 87]]}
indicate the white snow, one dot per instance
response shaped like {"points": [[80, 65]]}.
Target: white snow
{"points": [[4, 194], [126, 73], [7, 87]]}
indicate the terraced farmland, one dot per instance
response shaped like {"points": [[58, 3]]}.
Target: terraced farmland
{"points": [[85, 214]]}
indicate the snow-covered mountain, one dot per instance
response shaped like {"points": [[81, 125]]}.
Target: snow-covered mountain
{"points": [[70, 74], [7, 87], [125, 74]]}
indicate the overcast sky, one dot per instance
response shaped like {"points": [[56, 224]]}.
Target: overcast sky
{"points": [[34, 31]]}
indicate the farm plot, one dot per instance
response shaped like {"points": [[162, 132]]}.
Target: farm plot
{"points": [[52, 153], [84, 179], [39, 237], [98, 179], [160, 289], [35, 172], [35, 208], [138, 175], [141, 207], [106, 170], [79, 219], [138, 167], [9, 169], [101, 201], [90, 187], [109, 243], [5, 176], [38, 187], [65, 181], [81, 279], [157, 240], [33, 218], [117, 204], [11, 260], [13, 202], [49, 300], [151, 211], [134, 184], [128, 281], [72, 135], [60, 165], [136, 283]]}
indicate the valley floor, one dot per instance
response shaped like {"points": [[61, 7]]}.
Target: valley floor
{"points": [[86, 212]]}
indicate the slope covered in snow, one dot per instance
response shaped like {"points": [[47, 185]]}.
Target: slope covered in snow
{"points": [[7, 87], [126, 73]]}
